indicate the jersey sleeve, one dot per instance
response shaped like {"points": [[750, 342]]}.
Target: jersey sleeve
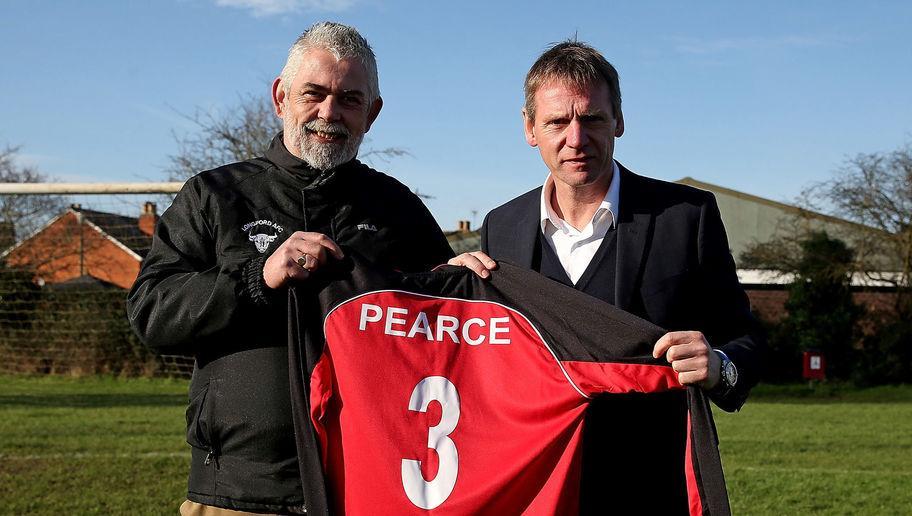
{"points": [[602, 348]]}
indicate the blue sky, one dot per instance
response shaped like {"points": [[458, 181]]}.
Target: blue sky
{"points": [[763, 97]]}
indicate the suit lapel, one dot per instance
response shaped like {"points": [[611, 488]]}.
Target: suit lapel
{"points": [[527, 228], [634, 226]]}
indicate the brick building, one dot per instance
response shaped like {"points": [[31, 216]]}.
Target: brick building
{"points": [[82, 243]]}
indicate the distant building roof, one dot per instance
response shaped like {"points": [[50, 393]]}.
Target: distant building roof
{"points": [[119, 227], [750, 219], [795, 210]]}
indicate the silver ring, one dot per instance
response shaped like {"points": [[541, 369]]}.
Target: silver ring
{"points": [[302, 261]]}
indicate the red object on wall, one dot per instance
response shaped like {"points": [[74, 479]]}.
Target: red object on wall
{"points": [[814, 365]]}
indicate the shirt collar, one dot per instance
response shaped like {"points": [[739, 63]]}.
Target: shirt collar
{"points": [[610, 203]]}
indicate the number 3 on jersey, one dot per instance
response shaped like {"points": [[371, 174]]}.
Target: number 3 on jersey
{"points": [[425, 494]]}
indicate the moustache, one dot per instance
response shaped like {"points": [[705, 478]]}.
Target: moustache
{"points": [[331, 128]]}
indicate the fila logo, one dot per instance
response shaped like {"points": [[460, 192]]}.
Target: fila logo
{"points": [[367, 227], [262, 240]]}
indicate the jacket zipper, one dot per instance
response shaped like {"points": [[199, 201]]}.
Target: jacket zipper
{"points": [[211, 457], [304, 208]]}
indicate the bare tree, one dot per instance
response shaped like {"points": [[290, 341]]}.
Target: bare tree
{"points": [[782, 253], [875, 192], [21, 215], [240, 133]]}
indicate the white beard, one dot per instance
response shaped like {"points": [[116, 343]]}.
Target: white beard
{"points": [[324, 156]]}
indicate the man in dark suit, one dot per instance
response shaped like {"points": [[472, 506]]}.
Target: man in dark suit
{"points": [[652, 248]]}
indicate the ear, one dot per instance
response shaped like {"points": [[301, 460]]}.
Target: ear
{"points": [[278, 97], [374, 110], [619, 128], [529, 129]]}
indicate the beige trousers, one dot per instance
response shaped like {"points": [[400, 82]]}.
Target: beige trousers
{"points": [[189, 508]]}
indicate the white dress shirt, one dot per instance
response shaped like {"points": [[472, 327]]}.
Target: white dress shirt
{"points": [[576, 247]]}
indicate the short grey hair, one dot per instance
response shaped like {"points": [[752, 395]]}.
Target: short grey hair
{"points": [[343, 42], [573, 63]]}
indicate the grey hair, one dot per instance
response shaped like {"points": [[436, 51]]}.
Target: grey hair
{"points": [[343, 42], [574, 63]]}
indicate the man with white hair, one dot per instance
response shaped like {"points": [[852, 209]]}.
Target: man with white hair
{"points": [[214, 282]]}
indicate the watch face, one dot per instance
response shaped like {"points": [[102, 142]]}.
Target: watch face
{"points": [[730, 372]]}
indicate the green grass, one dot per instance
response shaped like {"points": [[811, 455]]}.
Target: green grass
{"points": [[115, 446], [831, 450], [92, 446]]}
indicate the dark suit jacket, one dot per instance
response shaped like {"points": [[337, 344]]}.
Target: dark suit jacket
{"points": [[674, 267]]}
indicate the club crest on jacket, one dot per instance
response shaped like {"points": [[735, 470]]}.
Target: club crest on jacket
{"points": [[259, 235]]}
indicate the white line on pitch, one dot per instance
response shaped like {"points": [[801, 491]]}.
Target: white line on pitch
{"points": [[92, 455]]}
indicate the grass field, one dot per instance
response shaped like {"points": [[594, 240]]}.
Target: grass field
{"points": [[109, 446], [790, 451], [92, 446]]}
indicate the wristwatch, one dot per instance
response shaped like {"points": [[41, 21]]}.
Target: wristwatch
{"points": [[728, 373]]}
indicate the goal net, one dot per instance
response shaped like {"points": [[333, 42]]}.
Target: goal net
{"points": [[68, 256]]}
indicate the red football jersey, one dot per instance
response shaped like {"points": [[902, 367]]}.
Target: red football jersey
{"points": [[422, 402]]}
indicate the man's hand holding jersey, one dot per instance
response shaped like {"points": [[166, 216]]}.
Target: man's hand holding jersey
{"points": [[477, 261], [297, 257], [692, 358]]}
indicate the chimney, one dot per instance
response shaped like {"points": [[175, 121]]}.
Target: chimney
{"points": [[465, 226], [148, 218]]}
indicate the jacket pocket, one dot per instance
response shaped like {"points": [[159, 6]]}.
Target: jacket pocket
{"points": [[199, 420]]}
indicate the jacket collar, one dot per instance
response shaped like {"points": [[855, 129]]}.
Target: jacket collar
{"points": [[298, 168], [528, 227]]}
